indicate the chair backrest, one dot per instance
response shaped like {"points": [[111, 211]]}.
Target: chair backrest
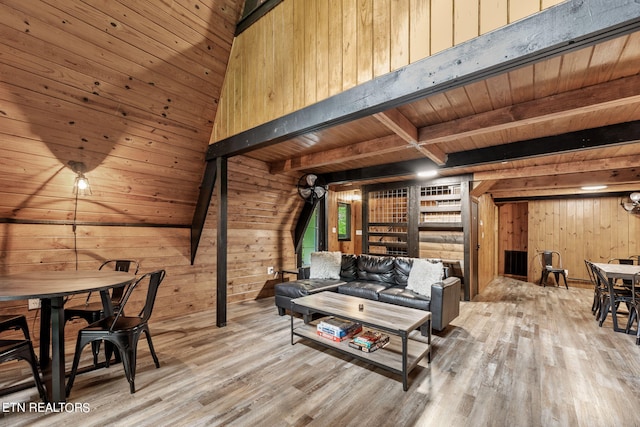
{"points": [[602, 279], [592, 275], [154, 278], [626, 261], [120, 265], [547, 259]]}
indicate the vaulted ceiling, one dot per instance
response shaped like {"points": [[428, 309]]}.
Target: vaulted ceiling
{"points": [[539, 127], [131, 89]]}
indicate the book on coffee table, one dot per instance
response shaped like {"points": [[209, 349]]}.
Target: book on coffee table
{"points": [[369, 341], [337, 329]]}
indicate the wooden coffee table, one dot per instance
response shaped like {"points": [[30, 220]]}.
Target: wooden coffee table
{"points": [[400, 356]]}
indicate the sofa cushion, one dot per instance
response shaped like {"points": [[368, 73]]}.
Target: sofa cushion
{"points": [[325, 265], [405, 297], [372, 268], [402, 268], [424, 273], [363, 289], [303, 287], [349, 267]]}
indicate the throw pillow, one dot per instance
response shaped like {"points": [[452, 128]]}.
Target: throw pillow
{"points": [[423, 274], [325, 265]]}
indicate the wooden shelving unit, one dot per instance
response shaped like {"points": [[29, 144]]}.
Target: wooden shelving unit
{"points": [[440, 207]]}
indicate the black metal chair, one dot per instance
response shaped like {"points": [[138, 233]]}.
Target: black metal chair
{"points": [[15, 322], [599, 289], [93, 311], [20, 349], [548, 267], [122, 331], [634, 307], [611, 301]]}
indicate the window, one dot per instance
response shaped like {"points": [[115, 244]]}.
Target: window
{"points": [[344, 221]]}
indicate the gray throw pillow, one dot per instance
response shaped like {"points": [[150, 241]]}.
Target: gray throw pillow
{"points": [[423, 274], [325, 265]]}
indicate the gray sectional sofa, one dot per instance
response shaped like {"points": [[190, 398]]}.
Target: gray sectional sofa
{"points": [[379, 278]]}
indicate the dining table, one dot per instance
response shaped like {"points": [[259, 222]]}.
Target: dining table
{"points": [[52, 288], [618, 271], [613, 272]]}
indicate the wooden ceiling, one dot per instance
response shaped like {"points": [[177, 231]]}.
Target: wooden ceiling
{"points": [[589, 88], [130, 88]]}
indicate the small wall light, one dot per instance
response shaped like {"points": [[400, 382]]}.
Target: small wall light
{"points": [[81, 184]]}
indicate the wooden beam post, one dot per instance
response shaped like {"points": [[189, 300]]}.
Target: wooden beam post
{"points": [[221, 244]]}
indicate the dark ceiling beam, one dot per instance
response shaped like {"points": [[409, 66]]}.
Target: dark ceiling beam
{"points": [[391, 170], [623, 133], [573, 141], [560, 29]]}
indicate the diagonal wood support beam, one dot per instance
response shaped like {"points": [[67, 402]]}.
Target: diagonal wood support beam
{"points": [[386, 145], [401, 126]]}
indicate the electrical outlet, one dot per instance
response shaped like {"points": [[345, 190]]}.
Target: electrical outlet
{"points": [[34, 304], [269, 270]]}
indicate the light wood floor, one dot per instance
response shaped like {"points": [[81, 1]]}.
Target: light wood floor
{"points": [[520, 355]]}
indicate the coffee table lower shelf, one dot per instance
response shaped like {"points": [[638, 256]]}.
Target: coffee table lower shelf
{"points": [[391, 357]]}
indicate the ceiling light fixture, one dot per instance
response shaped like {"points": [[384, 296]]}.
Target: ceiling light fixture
{"points": [[593, 187], [81, 183], [428, 174]]}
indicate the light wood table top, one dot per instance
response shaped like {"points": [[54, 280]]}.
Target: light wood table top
{"points": [[387, 316], [50, 284], [618, 271]]}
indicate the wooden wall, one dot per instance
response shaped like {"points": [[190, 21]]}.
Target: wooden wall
{"points": [[262, 213], [596, 229], [488, 221], [304, 51], [354, 245], [513, 233]]}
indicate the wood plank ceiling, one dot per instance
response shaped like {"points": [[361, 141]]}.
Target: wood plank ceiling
{"points": [[589, 88], [130, 88]]}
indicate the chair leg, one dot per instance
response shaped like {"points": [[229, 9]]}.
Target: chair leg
{"points": [[74, 367], [36, 375], [95, 349], [128, 357], [632, 317], [151, 349], [604, 310]]}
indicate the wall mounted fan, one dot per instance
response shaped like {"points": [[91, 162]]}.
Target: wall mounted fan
{"points": [[311, 187], [631, 203]]}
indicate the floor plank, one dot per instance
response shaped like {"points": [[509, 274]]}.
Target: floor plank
{"points": [[518, 355]]}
